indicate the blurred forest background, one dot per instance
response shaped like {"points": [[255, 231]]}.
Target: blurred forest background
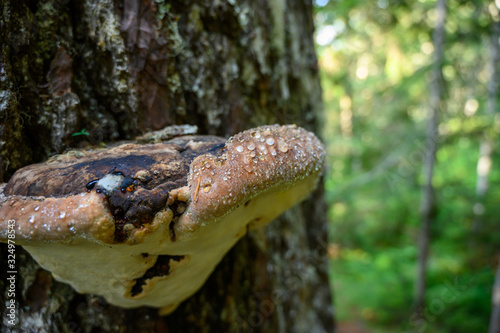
{"points": [[378, 60]]}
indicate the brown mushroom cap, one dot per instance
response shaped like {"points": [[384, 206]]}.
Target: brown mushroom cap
{"points": [[252, 163], [135, 222], [129, 183]]}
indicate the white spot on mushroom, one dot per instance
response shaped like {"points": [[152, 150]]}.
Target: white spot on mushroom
{"points": [[110, 182]]}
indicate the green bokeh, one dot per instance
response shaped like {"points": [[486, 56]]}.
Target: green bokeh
{"points": [[375, 59]]}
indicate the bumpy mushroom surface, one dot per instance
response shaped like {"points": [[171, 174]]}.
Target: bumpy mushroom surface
{"points": [[146, 224]]}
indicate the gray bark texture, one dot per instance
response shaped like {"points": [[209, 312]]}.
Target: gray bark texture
{"points": [[79, 73]]}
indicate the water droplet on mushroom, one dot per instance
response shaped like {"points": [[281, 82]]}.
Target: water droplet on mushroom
{"points": [[36, 208], [257, 135], [270, 141], [62, 215], [251, 146], [273, 151], [31, 219], [239, 148], [282, 145]]}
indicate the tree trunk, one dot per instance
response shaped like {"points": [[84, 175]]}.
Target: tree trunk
{"points": [[494, 326], [428, 203], [485, 162], [77, 73]]}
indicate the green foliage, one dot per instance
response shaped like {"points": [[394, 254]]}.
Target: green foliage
{"points": [[82, 132], [375, 59]]}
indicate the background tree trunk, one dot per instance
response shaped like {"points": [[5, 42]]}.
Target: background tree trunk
{"points": [[116, 69], [486, 147], [485, 163], [494, 326], [428, 202]]}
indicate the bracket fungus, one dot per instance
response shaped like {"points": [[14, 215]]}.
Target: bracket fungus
{"points": [[146, 224]]}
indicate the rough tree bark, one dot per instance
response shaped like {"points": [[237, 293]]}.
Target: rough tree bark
{"points": [[428, 202], [74, 73]]}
